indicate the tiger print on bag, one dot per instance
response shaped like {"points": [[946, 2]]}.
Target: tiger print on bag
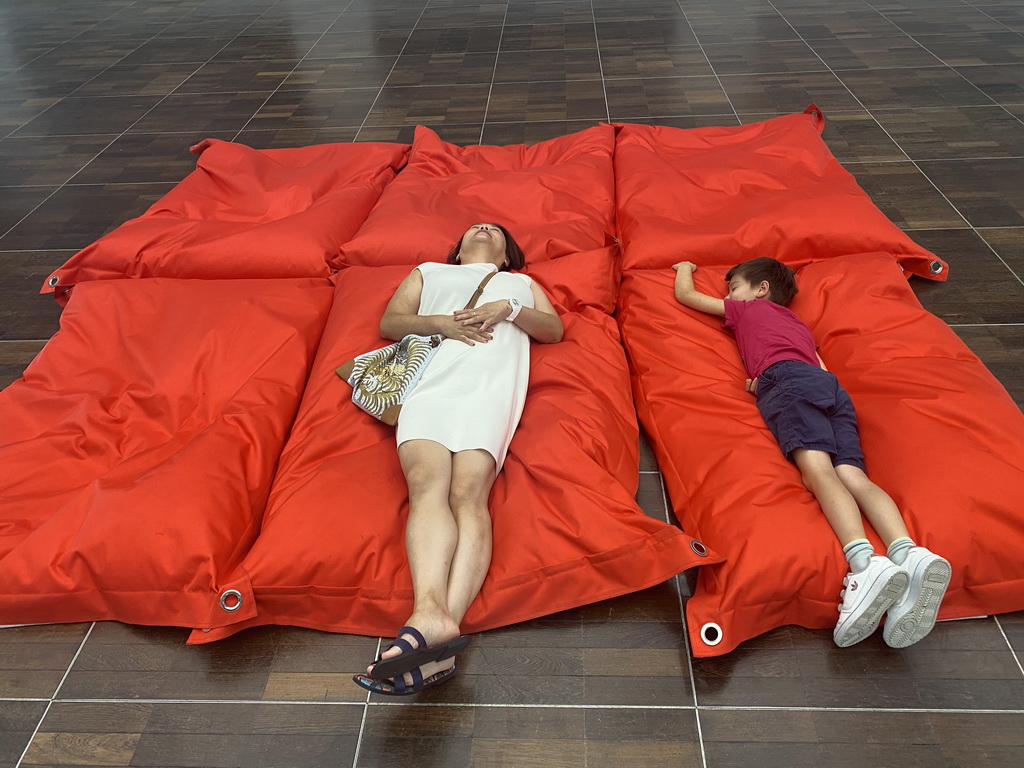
{"points": [[383, 378]]}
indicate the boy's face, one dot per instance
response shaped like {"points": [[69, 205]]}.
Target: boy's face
{"points": [[741, 290]]}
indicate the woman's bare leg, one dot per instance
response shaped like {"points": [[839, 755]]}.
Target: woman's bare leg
{"points": [[473, 475]]}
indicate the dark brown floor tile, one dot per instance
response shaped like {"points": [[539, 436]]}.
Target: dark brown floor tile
{"points": [[535, 66], [33, 660], [314, 109], [659, 603], [52, 160], [648, 461], [531, 133], [171, 50], [24, 313], [89, 114], [574, 100], [979, 48], [763, 58], [76, 215], [947, 133], [637, 99], [461, 135], [42, 82], [325, 18], [16, 111], [547, 37], [638, 10], [1010, 15], [1017, 110], [86, 54], [429, 104], [803, 739], [443, 69], [651, 496], [909, 88], [202, 113], [906, 196], [146, 157], [359, 43], [954, 20], [1003, 83], [655, 61], [980, 288], [1001, 349], [14, 359], [294, 137], [874, 52], [463, 14], [987, 192], [936, 673], [648, 737], [17, 202], [786, 93], [207, 25], [820, 24], [18, 720], [431, 737], [1013, 625], [1009, 244], [266, 48], [138, 79], [714, 28], [546, 12], [628, 34], [220, 734], [235, 76]]}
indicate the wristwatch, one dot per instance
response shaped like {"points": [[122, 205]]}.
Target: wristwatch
{"points": [[516, 309]]}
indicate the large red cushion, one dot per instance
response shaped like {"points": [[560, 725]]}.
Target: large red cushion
{"points": [[556, 197], [719, 196], [940, 434], [567, 530], [246, 213], [139, 446]]}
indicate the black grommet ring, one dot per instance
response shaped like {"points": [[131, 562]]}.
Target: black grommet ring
{"points": [[935, 267], [699, 548], [52, 282], [711, 633], [231, 594]]}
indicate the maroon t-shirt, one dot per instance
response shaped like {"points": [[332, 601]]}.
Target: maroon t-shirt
{"points": [[768, 333]]}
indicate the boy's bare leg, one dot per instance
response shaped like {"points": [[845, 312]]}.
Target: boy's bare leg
{"points": [[877, 506], [837, 502]]}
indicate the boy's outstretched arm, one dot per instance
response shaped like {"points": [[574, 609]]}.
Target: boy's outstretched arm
{"points": [[689, 296]]}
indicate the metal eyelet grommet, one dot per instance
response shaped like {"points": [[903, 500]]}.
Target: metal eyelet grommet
{"points": [[711, 633], [231, 594], [699, 548], [935, 267], [52, 282]]}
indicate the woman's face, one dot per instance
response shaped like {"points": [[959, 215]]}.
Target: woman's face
{"points": [[485, 238]]}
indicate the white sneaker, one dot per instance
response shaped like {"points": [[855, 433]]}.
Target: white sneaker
{"points": [[868, 594], [913, 616]]}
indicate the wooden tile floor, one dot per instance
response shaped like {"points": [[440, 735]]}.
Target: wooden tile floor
{"points": [[925, 98]]}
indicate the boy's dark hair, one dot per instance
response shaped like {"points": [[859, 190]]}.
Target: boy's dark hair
{"points": [[781, 280], [514, 254]]}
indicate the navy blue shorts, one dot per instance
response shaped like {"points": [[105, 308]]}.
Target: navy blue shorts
{"points": [[805, 407]]}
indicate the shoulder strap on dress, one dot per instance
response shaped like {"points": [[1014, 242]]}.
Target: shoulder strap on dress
{"points": [[480, 289]]}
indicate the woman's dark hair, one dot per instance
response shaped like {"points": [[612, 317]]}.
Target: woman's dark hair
{"points": [[781, 281], [514, 255]]}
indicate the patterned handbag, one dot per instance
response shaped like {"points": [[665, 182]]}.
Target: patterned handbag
{"points": [[383, 378]]}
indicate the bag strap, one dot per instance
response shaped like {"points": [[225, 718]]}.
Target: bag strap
{"points": [[480, 289]]}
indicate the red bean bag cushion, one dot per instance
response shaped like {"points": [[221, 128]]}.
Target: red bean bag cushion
{"points": [[139, 446], [940, 434], [567, 530], [719, 196], [246, 213], [556, 197]]}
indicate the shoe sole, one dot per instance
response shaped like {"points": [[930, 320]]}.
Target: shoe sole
{"points": [[920, 619], [867, 622]]}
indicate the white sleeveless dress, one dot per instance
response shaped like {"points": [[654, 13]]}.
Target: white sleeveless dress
{"points": [[470, 396]]}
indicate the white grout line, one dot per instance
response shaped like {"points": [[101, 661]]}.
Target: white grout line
{"points": [[366, 710], [714, 72], [600, 64], [1009, 645], [494, 74]]}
